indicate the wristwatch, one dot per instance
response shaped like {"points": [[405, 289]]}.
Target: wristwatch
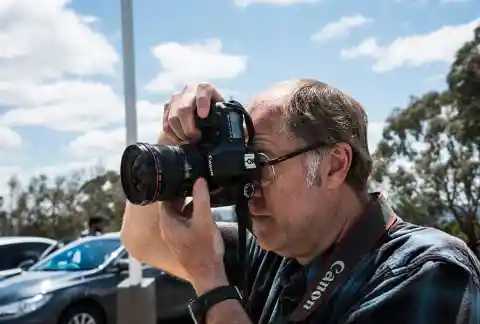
{"points": [[199, 307]]}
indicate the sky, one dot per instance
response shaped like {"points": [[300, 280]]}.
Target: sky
{"points": [[61, 78]]}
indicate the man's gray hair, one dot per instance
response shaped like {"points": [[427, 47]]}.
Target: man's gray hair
{"points": [[318, 112]]}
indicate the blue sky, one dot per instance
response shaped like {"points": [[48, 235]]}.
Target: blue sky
{"points": [[61, 75]]}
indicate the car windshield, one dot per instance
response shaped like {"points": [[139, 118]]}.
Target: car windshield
{"points": [[83, 255]]}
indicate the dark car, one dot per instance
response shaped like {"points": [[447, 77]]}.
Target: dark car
{"points": [[17, 252], [78, 284]]}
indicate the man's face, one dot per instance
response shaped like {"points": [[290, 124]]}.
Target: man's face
{"points": [[286, 211]]}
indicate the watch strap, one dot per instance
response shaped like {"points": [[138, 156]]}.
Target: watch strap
{"points": [[199, 307]]}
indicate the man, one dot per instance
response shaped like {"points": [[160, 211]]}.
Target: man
{"points": [[308, 205], [95, 227]]}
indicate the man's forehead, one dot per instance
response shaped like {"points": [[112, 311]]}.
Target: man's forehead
{"points": [[271, 102]]}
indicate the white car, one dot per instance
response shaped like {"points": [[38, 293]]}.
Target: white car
{"points": [[224, 214]]}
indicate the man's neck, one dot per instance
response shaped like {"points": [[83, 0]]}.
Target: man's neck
{"points": [[349, 209], [357, 208]]}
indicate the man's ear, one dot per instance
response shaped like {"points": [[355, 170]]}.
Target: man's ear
{"points": [[338, 162]]}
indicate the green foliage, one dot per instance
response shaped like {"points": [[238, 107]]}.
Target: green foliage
{"points": [[59, 208], [429, 156]]}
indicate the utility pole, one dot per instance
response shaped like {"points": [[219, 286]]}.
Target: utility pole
{"points": [[129, 88], [136, 302]]}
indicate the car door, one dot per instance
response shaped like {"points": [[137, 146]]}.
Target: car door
{"points": [[102, 285]]}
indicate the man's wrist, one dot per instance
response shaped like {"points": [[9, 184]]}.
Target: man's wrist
{"points": [[209, 282]]}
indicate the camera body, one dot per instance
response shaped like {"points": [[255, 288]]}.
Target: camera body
{"points": [[223, 156]]}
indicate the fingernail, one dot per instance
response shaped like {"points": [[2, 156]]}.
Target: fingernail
{"points": [[201, 186], [201, 183]]}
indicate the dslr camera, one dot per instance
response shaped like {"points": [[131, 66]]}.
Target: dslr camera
{"points": [[224, 156]]}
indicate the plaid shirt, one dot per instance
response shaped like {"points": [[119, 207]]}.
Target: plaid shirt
{"points": [[415, 275]]}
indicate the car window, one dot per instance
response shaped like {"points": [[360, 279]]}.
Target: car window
{"points": [[83, 255], [6, 257], [28, 251], [12, 255], [52, 248], [125, 256]]}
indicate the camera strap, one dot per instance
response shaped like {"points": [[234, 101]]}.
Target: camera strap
{"points": [[244, 224], [361, 239]]}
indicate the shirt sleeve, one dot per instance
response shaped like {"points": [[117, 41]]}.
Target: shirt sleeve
{"points": [[434, 292]]}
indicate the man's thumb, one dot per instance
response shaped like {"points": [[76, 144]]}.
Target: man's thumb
{"points": [[201, 198]]}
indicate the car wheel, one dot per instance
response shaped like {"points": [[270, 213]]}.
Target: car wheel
{"points": [[83, 314]]}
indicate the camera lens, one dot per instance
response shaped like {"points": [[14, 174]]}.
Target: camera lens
{"points": [[140, 171], [152, 173]]}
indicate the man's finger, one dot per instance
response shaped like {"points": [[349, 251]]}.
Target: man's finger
{"points": [[173, 207], [205, 96], [201, 200]]}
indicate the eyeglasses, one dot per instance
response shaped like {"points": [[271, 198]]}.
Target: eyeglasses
{"points": [[267, 164]]}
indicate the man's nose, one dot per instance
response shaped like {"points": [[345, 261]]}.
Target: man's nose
{"points": [[257, 200], [258, 192]]}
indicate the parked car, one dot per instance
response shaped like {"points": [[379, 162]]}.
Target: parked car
{"points": [[78, 284], [21, 252]]}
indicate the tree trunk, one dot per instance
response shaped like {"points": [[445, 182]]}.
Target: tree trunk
{"points": [[474, 244]]}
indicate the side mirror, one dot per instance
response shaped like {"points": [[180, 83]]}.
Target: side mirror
{"points": [[25, 265], [122, 264]]}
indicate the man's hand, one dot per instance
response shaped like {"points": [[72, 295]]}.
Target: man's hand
{"points": [[192, 235], [179, 112], [141, 233]]}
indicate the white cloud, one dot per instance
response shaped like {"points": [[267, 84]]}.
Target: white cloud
{"points": [[48, 52], [43, 48], [416, 50], [65, 106], [340, 28], [68, 105], [195, 62], [48, 41], [368, 47], [105, 143], [89, 19], [103, 147], [9, 139], [246, 3]]}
